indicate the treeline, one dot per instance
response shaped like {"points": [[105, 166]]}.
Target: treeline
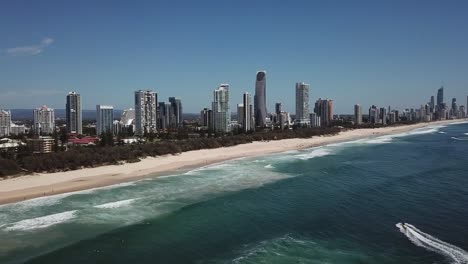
{"points": [[92, 156]]}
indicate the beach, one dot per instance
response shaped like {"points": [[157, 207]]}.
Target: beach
{"points": [[45, 184]]}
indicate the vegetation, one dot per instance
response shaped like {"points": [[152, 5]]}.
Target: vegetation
{"points": [[105, 153]]}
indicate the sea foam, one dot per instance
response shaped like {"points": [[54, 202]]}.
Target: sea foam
{"points": [[41, 222]]}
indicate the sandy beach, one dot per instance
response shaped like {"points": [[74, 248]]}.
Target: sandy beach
{"points": [[44, 184]]}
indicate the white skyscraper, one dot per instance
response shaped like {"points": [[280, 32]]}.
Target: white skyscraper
{"points": [[302, 103], [5, 123], [221, 114], [73, 113], [357, 114], [248, 115], [240, 114], [145, 112], [104, 118], [44, 121]]}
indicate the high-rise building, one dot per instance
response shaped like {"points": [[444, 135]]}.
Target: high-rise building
{"points": [[5, 123], [432, 105], [278, 108], [324, 109], [176, 118], [357, 114], [248, 115], [165, 116], [221, 114], [440, 96], [145, 112], [73, 113], [260, 99], [302, 103], [373, 115], [383, 115], [104, 119], [314, 120], [204, 116], [454, 109], [44, 121], [240, 114]]}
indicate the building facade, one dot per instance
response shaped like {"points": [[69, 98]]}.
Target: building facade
{"points": [[104, 119], [145, 112], [44, 121], [260, 99], [73, 113], [357, 114], [248, 121], [176, 117], [5, 123], [220, 107], [302, 103]]}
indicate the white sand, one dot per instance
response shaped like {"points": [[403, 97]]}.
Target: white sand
{"points": [[42, 184]]}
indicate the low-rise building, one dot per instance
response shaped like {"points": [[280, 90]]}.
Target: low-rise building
{"points": [[41, 144]]}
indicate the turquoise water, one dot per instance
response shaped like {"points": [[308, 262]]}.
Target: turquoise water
{"points": [[339, 203]]}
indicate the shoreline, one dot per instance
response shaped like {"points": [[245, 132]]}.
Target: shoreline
{"points": [[47, 184]]}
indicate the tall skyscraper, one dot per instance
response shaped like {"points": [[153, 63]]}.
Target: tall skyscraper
{"points": [[248, 116], [454, 107], [240, 114], [104, 119], [221, 114], [278, 108], [44, 121], [440, 96], [324, 109], [432, 105], [145, 112], [302, 103], [73, 113], [373, 114], [5, 123], [383, 115], [260, 99], [176, 118], [357, 114]]}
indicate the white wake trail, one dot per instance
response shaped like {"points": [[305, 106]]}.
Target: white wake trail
{"points": [[431, 243]]}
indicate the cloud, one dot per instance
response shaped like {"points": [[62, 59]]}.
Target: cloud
{"points": [[30, 50]]}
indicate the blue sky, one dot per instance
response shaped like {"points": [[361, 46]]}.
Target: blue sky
{"points": [[369, 52]]}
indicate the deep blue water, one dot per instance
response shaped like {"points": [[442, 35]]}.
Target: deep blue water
{"points": [[334, 204]]}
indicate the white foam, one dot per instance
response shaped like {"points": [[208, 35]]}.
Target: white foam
{"points": [[116, 204], [465, 134], [41, 222], [461, 139], [317, 152], [442, 132], [431, 243], [269, 166]]}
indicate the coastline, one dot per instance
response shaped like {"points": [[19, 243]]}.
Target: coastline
{"points": [[46, 184]]}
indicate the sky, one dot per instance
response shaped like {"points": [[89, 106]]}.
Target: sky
{"points": [[378, 52]]}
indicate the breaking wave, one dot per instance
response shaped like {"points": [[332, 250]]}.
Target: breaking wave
{"points": [[116, 204], [317, 152], [41, 222], [431, 243]]}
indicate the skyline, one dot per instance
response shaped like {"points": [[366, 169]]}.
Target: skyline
{"points": [[360, 53]]}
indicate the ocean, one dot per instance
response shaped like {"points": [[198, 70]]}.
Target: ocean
{"points": [[340, 203]]}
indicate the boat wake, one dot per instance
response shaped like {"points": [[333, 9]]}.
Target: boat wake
{"points": [[431, 243]]}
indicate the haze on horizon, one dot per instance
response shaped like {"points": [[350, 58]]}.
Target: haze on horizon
{"points": [[394, 53]]}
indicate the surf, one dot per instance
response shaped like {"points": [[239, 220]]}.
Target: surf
{"points": [[434, 244]]}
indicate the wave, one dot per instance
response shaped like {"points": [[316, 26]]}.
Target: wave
{"points": [[431, 243], [460, 139], [116, 204], [442, 132], [269, 166], [318, 152], [465, 134], [41, 222]]}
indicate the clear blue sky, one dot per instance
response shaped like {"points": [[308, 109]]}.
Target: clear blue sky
{"points": [[367, 52]]}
